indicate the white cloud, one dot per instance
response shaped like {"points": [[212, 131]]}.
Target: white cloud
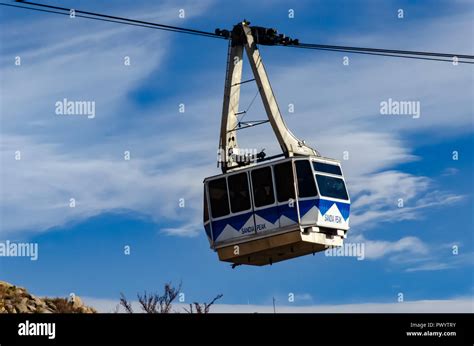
{"points": [[445, 262], [409, 246], [449, 171], [188, 230], [455, 305], [386, 188], [381, 205], [412, 254], [78, 158], [48, 181], [429, 267]]}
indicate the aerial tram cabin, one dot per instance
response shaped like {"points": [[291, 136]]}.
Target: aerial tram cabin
{"points": [[277, 210], [264, 210]]}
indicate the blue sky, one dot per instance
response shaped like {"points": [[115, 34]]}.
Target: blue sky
{"points": [[136, 202]]}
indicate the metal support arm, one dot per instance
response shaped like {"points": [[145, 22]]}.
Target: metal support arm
{"points": [[242, 36]]}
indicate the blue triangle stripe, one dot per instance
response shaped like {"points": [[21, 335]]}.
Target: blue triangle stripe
{"points": [[324, 205], [289, 212], [238, 221], [305, 206], [235, 221], [272, 214], [344, 208], [208, 230], [269, 214]]}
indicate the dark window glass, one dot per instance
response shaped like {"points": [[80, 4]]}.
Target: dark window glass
{"points": [[331, 187], [304, 174], [284, 181], [206, 211], [218, 195], [262, 183], [327, 168], [239, 192]]}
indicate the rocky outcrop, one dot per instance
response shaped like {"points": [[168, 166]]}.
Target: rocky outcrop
{"points": [[15, 299]]}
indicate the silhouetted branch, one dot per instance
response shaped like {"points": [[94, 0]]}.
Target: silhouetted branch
{"points": [[124, 302], [202, 308]]}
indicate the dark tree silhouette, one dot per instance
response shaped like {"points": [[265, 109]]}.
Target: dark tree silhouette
{"points": [[202, 308], [154, 303], [126, 305]]}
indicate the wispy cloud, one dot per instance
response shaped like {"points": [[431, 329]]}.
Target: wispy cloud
{"points": [[462, 304], [446, 262], [409, 246], [449, 171], [412, 254], [63, 158]]}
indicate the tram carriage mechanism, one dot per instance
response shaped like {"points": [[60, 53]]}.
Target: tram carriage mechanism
{"points": [[264, 210]]}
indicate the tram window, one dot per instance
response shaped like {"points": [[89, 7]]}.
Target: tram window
{"points": [[239, 192], [331, 187], [218, 195], [327, 168], [284, 181], [304, 174], [263, 187], [206, 211]]}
